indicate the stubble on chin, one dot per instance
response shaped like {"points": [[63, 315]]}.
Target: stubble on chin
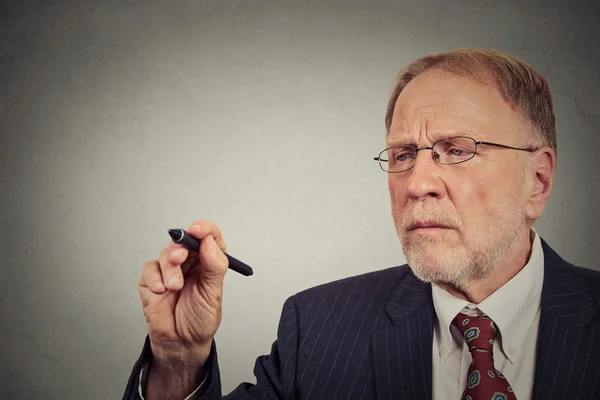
{"points": [[446, 259], [439, 259]]}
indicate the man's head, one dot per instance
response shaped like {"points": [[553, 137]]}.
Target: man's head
{"points": [[487, 204]]}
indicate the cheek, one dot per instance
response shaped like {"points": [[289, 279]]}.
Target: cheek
{"points": [[469, 195], [477, 198], [396, 189]]}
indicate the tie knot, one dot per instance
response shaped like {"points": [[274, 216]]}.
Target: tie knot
{"points": [[478, 332]]}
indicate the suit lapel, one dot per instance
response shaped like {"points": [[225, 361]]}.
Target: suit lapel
{"points": [[565, 338], [401, 344]]}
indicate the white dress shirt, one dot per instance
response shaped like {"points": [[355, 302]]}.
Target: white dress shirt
{"points": [[514, 308]]}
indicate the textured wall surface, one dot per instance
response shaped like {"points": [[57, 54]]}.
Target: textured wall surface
{"points": [[121, 119]]}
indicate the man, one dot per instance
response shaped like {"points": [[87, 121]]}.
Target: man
{"points": [[484, 308]]}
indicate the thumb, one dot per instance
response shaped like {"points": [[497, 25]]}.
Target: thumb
{"points": [[213, 260]]}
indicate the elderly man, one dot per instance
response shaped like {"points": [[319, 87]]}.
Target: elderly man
{"points": [[485, 309]]}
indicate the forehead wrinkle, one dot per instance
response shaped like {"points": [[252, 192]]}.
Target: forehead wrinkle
{"points": [[435, 136], [434, 126], [420, 132], [412, 122]]}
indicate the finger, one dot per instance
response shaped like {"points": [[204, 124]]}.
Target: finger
{"points": [[191, 265], [157, 311], [145, 296], [152, 277], [172, 276], [214, 263], [200, 229], [213, 260], [180, 255], [173, 245], [177, 254]]}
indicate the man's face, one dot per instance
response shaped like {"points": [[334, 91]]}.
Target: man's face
{"points": [[481, 203]]}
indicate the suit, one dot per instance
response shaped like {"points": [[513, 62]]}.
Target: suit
{"points": [[370, 337]]}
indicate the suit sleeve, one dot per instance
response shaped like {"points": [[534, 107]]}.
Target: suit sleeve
{"points": [[275, 373]]}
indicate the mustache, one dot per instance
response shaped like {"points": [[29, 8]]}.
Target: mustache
{"points": [[432, 217]]}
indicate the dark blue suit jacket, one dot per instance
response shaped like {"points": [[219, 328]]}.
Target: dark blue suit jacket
{"points": [[370, 337]]}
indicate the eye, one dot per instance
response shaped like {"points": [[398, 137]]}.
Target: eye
{"points": [[402, 154], [455, 151]]}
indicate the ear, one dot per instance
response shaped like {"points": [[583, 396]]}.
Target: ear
{"points": [[541, 168]]}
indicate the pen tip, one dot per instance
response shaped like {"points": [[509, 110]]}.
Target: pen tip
{"points": [[175, 234]]}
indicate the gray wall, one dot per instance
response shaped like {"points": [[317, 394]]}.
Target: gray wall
{"points": [[121, 119]]}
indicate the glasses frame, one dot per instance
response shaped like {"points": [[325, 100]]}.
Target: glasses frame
{"points": [[433, 153]]}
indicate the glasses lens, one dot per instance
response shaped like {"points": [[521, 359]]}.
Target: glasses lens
{"points": [[454, 150], [400, 158]]}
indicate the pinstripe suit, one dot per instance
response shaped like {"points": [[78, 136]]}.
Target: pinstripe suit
{"points": [[370, 336]]}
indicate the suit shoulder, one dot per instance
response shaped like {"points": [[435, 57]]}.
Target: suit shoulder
{"points": [[560, 265], [590, 276], [585, 278], [563, 269], [587, 272]]}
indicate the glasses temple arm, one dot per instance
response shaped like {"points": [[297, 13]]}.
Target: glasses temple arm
{"points": [[505, 146]]}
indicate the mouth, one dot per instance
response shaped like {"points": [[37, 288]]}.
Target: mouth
{"points": [[428, 226]]}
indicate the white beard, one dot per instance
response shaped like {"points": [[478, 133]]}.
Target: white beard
{"points": [[455, 256]]}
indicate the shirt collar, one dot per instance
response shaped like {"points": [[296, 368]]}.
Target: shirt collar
{"points": [[512, 307], [446, 307]]}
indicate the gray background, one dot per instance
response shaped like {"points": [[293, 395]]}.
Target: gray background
{"points": [[121, 119]]}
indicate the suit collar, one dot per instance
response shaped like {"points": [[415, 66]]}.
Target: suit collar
{"points": [[410, 296]]}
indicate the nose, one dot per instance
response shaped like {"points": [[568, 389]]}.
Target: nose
{"points": [[424, 178]]}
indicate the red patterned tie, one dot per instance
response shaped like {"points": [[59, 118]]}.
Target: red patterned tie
{"points": [[484, 381]]}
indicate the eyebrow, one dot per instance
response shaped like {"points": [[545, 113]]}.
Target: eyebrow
{"points": [[436, 136]]}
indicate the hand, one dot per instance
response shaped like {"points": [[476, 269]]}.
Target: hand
{"points": [[181, 294]]}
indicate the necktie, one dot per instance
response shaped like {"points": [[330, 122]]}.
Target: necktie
{"points": [[484, 381]]}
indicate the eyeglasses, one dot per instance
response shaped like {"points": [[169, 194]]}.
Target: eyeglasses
{"points": [[448, 151]]}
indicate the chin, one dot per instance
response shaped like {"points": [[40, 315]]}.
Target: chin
{"points": [[426, 264], [432, 264], [432, 273]]}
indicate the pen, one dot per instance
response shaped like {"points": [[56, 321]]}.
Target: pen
{"points": [[193, 244]]}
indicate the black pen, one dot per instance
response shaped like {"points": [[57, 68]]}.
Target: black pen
{"points": [[193, 244]]}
